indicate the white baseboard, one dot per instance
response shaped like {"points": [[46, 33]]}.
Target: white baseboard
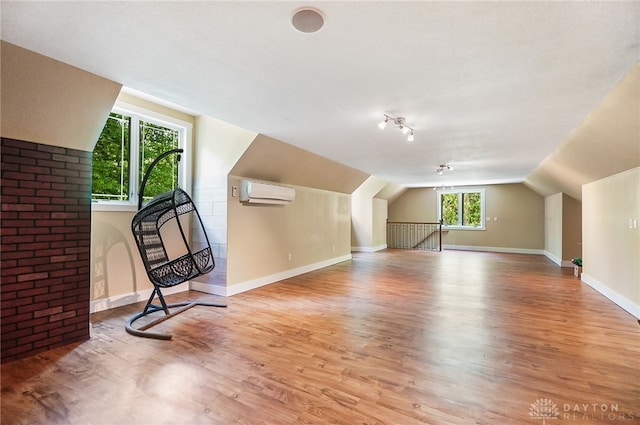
{"points": [[553, 258], [131, 298], [494, 249], [227, 291], [558, 260], [368, 248], [209, 288], [620, 300]]}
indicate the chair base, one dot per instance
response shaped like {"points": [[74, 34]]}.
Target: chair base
{"points": [[152, 308]]}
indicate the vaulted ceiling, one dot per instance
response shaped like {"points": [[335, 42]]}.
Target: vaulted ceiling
{"points": [[492, 88]]}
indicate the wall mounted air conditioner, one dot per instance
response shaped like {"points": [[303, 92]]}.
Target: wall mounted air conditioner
{"points": [[265, 193]]}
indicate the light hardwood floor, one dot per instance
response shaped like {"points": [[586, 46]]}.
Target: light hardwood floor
{"points": [[393, 337]]}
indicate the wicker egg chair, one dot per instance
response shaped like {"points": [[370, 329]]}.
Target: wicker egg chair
{"points": [[163, 269]]}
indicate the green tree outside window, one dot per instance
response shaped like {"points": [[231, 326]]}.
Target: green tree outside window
{"points": [[461, 209], [113, 158]]}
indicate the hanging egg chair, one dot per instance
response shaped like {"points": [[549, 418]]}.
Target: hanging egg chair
{"points": [[164, 217]]}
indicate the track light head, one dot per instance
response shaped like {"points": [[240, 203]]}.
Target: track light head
{"points": [[442, 168], [383, 124]]}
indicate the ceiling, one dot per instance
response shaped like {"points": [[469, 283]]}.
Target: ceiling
{"points": [[491, 88]]}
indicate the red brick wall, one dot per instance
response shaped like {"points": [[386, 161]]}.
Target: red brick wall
{"points": [[45, 233]]}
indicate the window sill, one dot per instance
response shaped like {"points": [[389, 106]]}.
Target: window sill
{"points": [[463, 228], [113, 206]]}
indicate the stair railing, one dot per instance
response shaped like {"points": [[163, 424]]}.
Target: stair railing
{"points": [[426, 236]]}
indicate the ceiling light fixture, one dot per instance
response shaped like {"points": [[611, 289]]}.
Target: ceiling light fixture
{"points": [[400, 123], [442, 168]]}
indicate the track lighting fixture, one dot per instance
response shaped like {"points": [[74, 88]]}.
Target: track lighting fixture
{"points": [[442, 168], [400, 123]]}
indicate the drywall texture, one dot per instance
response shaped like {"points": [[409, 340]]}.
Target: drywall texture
{"points": [[379, 222], [116, 268], [611, 249], [520, 213], [126, 98], [415, 205], [314, 228], [50, 102], [269, 159], [391, 192], [364, 220], [562, 228], [553, 227], [218, 147], [605, 143]]}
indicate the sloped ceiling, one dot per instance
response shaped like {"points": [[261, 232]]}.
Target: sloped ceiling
{"points": [[391, 192], [491, 88], [605, 143], [50, 102], [272, 160]]}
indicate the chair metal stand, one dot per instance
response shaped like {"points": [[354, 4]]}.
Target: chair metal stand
{"points": [[152, 308]]}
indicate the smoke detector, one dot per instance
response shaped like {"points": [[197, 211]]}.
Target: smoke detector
{"points": [[307, 19]]}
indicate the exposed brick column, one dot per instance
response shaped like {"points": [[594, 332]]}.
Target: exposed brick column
{"points": [[45, 259]]}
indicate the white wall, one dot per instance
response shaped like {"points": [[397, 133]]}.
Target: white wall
{"points": [[268, 243], [553, 227], [379, 222], [562, 229], [611, 249], [363, 216], [216, 150]]}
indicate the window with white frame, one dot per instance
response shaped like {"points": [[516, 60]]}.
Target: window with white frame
{"points": [[462, 209], [129, 142]]}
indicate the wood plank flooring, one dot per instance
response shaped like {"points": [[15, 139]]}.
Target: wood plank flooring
{"points": [[393, 337]]}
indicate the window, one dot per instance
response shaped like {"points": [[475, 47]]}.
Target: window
{"points": [[130, 141], [462, 209], [111, 158]]}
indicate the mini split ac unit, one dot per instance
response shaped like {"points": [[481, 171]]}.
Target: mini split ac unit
{"points": [[265, 193]]}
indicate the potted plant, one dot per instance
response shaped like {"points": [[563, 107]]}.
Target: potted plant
{"points": [[577, 266]]}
